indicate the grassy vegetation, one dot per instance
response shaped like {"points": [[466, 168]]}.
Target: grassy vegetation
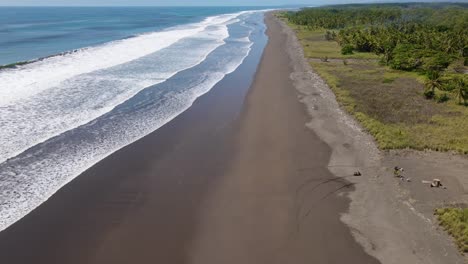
{"points": [[455, 221], [421, 37], [390, 103], [322, 48]]}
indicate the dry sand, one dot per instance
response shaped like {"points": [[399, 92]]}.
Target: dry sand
{"points": [[392, 219]]}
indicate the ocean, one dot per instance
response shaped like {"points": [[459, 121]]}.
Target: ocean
{"points": [[98, 79]]}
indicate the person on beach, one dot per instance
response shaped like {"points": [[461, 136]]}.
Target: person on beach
{"points": [[397, 171]]}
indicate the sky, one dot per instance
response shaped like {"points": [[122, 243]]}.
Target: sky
{"points": [[166, 2], [179, 2]]}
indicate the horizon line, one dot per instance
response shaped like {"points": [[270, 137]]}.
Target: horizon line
{"points": [[284, 5], [155, 5]]}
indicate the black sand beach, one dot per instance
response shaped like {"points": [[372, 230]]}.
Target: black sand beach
{"points": [[221, 183]]}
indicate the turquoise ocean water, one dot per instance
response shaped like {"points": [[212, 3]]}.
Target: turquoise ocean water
{"points": [[28, 33]]}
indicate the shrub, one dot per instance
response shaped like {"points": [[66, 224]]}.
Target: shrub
{"points": [[449, 84], [443, 98], [436, 62], [461, 89], [429, 94], [330, 35], [433, 82], [347, 49], [406, 57]]}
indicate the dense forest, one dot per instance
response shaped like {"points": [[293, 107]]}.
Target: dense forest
{"points": [[411, 37]]}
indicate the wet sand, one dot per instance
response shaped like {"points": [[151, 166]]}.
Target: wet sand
{"points": [[277, 202], [228, 181]]}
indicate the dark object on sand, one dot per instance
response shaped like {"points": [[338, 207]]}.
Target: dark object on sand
{"points": [[436, 183], [397, 171], [357, 173]]}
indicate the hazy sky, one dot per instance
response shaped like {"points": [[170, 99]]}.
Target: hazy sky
{"points": [[166, 2], [186, 2]]}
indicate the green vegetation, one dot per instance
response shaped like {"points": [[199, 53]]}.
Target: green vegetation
{"points": [[426, 38], [386, 79], [323, 48], [455, 221], [388, 103]]}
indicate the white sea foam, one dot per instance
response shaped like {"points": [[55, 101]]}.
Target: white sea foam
{"points": [[31, 178], [34, 78], [34, 117]]}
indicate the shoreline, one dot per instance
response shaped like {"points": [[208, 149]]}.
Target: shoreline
{"points": [[225, 174], [277, 202], [393, 221], [92, 137], [258, 170], [155, 181]]}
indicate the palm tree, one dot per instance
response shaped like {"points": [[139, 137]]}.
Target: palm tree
{"points": [[461, 87], [433, 82]]}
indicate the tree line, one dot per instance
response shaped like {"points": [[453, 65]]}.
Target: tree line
{"points": [[411, 37]]}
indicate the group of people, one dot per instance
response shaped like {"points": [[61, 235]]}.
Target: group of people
{"points": [[397, 172]]}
